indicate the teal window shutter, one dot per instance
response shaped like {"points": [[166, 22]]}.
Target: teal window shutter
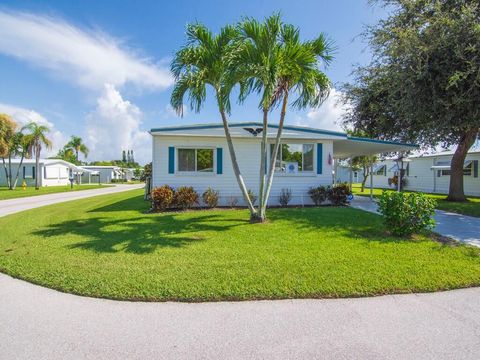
{"points": [[171, 160], [219, 161], [319, 158]]}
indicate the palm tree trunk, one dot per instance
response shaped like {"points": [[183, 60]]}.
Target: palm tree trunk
{"points": [[6, 172], [37, 166], [10, 183], [271, 170], [263, 159], [455, 191], [18, 170], [236, 168]]}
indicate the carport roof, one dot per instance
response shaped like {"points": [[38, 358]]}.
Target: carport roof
{"points": [[357, 146]]}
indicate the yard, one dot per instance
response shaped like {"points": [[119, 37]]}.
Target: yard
{"points": [[106, 246], [471, 207], [30, 191]]}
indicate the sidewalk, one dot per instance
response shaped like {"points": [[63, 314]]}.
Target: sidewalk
{"points": [[11, 206], [462, 228]]}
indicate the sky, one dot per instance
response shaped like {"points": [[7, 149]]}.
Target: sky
{"points": [[100, 69]]}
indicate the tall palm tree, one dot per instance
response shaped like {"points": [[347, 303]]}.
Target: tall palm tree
{"points": [[7, 131], [272, 60], [77, 145], [37, 138], [22, 146], [201, 62]]}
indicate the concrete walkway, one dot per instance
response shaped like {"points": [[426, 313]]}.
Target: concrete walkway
{"points": [[38, 323], [462, 228], [16, 205]]}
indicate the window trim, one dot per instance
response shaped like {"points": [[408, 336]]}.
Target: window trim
{"points": [[300, 172], [195, 172]]}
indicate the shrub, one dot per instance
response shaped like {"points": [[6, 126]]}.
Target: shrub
{"points": [[117, 181], [162, 197], [232, 201], [406, 213], [318, 194], [252, 196], [185, 197], [338, 194], [285, 197], [210, 197]]}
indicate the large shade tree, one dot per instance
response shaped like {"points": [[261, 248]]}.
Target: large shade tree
{"points": [[423, 84], [271, 60]]}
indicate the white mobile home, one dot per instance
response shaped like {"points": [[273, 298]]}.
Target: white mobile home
{"points": [[52, 172], [198, 156], [430, 173], [101, 174]]}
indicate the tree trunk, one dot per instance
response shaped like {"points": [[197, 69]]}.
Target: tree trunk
{"points": [[263, 159], [18, 170], [6, 172], [455, 192], [271, 170], [37, 166], [10, 182], [365, 177], [236, 168]]}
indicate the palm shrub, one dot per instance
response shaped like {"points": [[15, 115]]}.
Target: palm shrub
{"points": [[162, 198], [185, 197], [285, 197], [318, 194], [210, 197], [406, 213]]}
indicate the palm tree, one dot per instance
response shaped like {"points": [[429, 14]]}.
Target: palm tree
{"points": [[22, 146], [7, 132], [272, 61], [37, 138], [201, 62], [77, 145]]}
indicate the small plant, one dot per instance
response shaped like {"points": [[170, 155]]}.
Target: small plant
{"points": [[232, 201], [338, 194], [185, 197], [285, 197], [210, 197], [318, 194], [162, 198], [252, 196], [406, 213]]}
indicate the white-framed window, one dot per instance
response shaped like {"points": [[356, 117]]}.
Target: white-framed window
{"points": [[293, 158], [382, 170], [199, 160], [467, 171]]}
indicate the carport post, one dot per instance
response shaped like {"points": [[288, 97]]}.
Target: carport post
{"points": [[371, 181], [351, 173]]}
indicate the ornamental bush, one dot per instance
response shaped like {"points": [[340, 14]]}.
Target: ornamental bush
{"points": [[338, 194], [285, 197], [406, 213], [210, 197], [185, 197], [318, 194], [162, 197]]}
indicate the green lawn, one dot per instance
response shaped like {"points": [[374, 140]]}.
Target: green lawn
{"points": [[106, 246], [470, 207], [30, 191]]}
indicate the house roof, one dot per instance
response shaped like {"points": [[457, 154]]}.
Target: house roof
{"points": [[344, 145]]}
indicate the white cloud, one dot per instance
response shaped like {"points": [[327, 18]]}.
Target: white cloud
{"points": [[23, 116], [115, 126], [86, 57], [328, 116]]}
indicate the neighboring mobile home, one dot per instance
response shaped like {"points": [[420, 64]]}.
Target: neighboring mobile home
{"points": [[106, 174], [52, 172], [198, 156], [430, 173]]}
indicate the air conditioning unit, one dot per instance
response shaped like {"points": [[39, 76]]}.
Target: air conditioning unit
{"points": [[291, 167]]}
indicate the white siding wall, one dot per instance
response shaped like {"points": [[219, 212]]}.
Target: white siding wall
{"points": [[57, 174], [247, 151]]}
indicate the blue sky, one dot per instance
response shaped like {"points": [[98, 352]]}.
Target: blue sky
{"points": [[99, 69]]}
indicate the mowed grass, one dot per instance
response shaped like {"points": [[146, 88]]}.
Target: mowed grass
{"points": [[106, 246], [18, 192], [470, 207]]}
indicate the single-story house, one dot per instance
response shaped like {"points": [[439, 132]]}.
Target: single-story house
{"points": [[101, 174], [429, 173], [52, 172], [197, 155], [342, 174]]}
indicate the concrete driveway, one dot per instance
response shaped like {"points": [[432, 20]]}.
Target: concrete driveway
{"points": [[38, 323], [16, 205]]}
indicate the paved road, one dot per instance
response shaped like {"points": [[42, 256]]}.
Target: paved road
{"points": [[456, 226], [15, 205], [38, 323]]}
